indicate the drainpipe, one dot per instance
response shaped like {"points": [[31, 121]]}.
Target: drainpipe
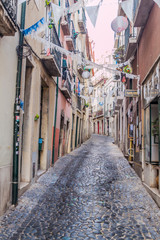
{"points": [[55, 113], [104, 113], [17, 114]]}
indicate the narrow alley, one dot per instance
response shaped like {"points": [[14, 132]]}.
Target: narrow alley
{"points": [[91, 193]]}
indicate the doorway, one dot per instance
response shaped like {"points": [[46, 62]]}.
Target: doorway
{"points": [[25, 156], [98, 126], [40, 127], [67, 137], [76, 132], [72, 132], [60, 146], [43, 127], [152, 135]]}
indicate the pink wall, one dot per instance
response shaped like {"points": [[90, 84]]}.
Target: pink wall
{"points": [[149, 47], [64, 105]]}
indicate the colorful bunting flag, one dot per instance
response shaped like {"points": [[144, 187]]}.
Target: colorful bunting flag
{"points": [[127, 7], [34, 27], [90, 89], [158, 2], [58, 12], [92, 12]]}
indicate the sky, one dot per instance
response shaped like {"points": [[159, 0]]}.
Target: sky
{"points": [[102, 34]]}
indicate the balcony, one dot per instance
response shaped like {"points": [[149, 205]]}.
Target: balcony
{"points": [[99, 76], [107, 113], [142, 12], [132, 44], [119, 99], [79, 105], [65, 25], [82, 20], [115, 112], [70, 40], [66, 86], [130, 41], [90, 112], [52, 60], [117, 107], [8, 15], [99, 113], [111, 111]]}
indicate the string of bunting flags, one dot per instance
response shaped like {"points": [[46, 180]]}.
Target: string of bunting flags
{"points": [[60, 11], [127, 7], [34, 27], [79, 58]]}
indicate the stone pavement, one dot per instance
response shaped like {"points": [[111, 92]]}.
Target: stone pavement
{"points": [[91, 193]]}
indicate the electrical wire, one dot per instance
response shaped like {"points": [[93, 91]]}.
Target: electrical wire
{"points": [[23, 51]]}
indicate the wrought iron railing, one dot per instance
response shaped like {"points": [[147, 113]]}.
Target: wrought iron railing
{"points": [[68, 19], [111, 112], [79, 103], [11, 8], [84, 17], [99, 112], [127, 33], [53, 38], [73, 31], [67, 83]]}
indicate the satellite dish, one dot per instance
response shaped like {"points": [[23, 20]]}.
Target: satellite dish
{"points": [[119, 24]]}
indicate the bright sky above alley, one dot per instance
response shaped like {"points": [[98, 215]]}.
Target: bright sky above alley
{"points": [[102, 34]]}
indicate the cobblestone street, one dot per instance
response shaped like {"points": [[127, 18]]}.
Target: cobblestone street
{"points": [[91, 193]]}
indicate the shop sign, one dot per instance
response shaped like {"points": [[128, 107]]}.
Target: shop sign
{"points": [[131, 93], [151, 86], [154, 92]]}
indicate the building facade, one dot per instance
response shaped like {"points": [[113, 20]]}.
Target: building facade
{"points": [[42, 89], [8, 73], [139, 114]]}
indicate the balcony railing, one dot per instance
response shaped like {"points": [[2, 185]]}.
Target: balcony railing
{"points": [[55, 40], [11, 7], [73, 31], [130, 41], [98, 113], [127, 33], [79, 103], [52, 61], [66, 25], [8, 17], [82, 21], [66, 85], [70, 40]]}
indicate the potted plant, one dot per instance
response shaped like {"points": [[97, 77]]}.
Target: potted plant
{"points": [[36, 117], [86, 105]]}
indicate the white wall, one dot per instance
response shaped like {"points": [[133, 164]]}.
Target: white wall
{"points": [[8, 69]]}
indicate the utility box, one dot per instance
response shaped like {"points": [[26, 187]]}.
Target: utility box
{"points": [[41, 144]]}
